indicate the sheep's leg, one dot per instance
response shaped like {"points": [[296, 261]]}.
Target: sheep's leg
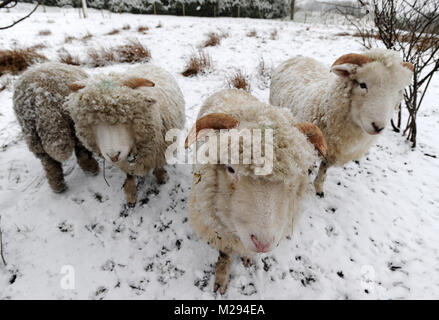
{"points": [[54, 173], [130, 190], [161, 175], [320, 179], [85, 159], [222, 272]]}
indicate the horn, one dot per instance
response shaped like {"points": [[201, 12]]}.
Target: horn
{"points": [[314, 135], [409, 65], [135, 83], [214, 121], [352, 58], [76, 87]]}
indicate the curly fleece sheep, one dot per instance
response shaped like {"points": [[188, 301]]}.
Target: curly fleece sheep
{"points": [[38, 98], [351, 105], [124, 118], [233, 208]]}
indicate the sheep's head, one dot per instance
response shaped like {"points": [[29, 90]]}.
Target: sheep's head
{"points": [[377, 79], [110, 102], [258, 210]]}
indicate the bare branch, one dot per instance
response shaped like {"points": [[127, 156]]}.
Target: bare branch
{"points": [[25, 17], [1, 246]]}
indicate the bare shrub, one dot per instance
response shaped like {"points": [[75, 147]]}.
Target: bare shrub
{"points": [[113, 32], [44, 33], [132, 51], [19, 59], [264, 74], [213, 39], [87, 37], [252, 33], [412, 29], [126, 27], [199, 62], [239, 80], [142, 29], [66, 57]]}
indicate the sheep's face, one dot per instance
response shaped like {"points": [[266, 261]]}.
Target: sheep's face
{"points": [[255, 209], [376, 92], [114, 141]]}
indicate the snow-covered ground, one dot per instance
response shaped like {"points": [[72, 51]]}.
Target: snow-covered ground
{"points": [[374, 235]]}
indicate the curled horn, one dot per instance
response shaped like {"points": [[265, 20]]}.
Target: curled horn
{"points": [[135, 83], [214, 121], [352, 58], [314, 135], [408, 65]]}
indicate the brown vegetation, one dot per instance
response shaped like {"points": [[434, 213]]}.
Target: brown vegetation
{"points": [[19, 59], [198, 63]]}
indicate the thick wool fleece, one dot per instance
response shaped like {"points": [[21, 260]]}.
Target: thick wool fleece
{"points": [[149, 111], [316, 95], [38, 98], [293, 156]]}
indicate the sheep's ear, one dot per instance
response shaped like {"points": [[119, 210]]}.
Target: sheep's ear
{"points": [[409, 66], [215, 121], [135, 83], [314, 135], [76, 87], [348, 63]]}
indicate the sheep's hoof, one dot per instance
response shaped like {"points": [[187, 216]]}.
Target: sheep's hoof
{"points": [[222, 288], [320, 194], [131, 204], [161, 175], [247, 262], [59, 189]]}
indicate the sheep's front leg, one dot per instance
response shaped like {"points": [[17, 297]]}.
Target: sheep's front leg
{"points": [[85, 159], [161, 175], [320, 179], [54, 173], [222, 272], [130, 190]]}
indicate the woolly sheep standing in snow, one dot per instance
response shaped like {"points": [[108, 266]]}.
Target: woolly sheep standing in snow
{"points": [[48, 130], [233, 208], [351, 105], [124, 117]]}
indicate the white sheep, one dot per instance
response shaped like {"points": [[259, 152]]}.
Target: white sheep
{"points": [[231, 206], [39, 94], [351, 105], [124, 118]]}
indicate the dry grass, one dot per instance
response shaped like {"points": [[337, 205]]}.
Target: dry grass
{"points": [[38, 46], [142, 29], [252, 33], [239, 80], [87, 37], [159, 25], [5, 83], [69, 39], [113, 32], [199, 62], [132, 51], [44, 33], [274, 35], [264, 71], [66, 57], [126, 27], [19, 59], [213, 39]]}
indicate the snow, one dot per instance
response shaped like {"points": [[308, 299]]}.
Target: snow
{"points": [[375, 235]]}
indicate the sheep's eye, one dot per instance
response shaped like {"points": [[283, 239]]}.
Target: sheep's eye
{"points": [[363, 85], [230, 170]]}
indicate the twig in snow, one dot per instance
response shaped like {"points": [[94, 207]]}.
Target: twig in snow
{"points": [[1, 246]]}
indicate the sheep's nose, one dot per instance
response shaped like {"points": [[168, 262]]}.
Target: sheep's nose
{"points": [[260, 247], [377, 128], [114, 156]]}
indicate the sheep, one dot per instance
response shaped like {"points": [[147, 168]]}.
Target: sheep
{"points": [[123, 117], [351, 105], [231, 206], [38, 98]]}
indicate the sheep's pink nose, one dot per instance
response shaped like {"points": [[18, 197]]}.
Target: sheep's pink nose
{"points": [[114, 156], [260, 247]]}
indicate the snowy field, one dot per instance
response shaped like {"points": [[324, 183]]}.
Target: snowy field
{"points": [[374, 235]]}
